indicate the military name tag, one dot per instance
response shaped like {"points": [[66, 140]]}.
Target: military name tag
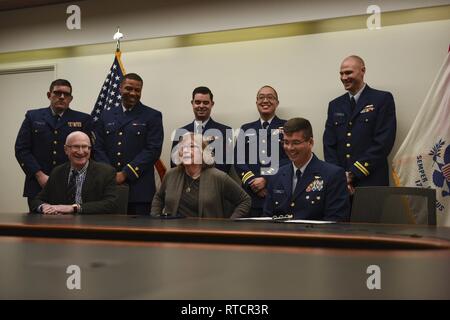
{"points": [[75, 124]]}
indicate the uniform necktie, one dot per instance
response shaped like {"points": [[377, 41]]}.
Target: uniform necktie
{"points": [[298, 173], [353, 104], [265, 124], [72, 187], [56, 117], [199, 129]]}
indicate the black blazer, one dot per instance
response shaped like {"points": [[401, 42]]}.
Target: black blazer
{"points": [[99, 191]]}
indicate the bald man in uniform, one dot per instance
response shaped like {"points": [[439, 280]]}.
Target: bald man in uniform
{"points": [[360, 128]]}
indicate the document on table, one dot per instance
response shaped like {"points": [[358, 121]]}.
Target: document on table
{"points": [[307, 221], [255, 219], [285, 220]]}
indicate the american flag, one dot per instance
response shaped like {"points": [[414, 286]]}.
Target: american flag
{"points": [[109, 96]]}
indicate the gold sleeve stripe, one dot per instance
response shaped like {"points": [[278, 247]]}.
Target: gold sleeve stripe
{"points": [[247, 176], [132, 169], [361, 168]]}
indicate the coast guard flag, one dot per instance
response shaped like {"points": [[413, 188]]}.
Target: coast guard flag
{"points": [[110, 98], [423, 159]]}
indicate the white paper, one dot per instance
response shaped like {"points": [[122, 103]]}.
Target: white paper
{"points": [[307, 221], [256, 219]]}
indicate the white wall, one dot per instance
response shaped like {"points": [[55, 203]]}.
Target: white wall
{"points": [[403, 59], [45, 27], [19, 92]]}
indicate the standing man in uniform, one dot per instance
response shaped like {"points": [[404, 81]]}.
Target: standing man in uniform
{"points": [[306, 188], [40, 142], [130, 139], [254, 158], [360, 128], [214, 132]]}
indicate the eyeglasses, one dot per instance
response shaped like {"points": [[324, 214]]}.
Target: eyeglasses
{"points": [[62, 93], [294, 143], [76, 147], [269, 97]]}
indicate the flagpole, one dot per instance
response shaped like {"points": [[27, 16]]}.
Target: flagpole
{"points": [[159, 165], [117, 36]]}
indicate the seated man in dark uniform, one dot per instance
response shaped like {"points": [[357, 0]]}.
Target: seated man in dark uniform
{"points": [[307, 188], [79, 185]]}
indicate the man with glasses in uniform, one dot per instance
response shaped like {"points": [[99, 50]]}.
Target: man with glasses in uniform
{"points": [[255, 160], [306, 188], [39, 146]]}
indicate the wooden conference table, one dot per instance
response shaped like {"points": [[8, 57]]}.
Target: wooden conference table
{"points": [[128, 257]]}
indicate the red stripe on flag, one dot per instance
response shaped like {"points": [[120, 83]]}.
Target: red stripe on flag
{"points": [[446, 171]]}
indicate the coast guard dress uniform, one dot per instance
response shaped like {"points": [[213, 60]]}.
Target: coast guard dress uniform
{"points": [[361, 140], [320, 194], [131, 141], [253, 163], [40, 142]]}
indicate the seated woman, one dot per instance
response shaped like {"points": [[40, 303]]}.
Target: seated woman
{"points": [[195, 188]]}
